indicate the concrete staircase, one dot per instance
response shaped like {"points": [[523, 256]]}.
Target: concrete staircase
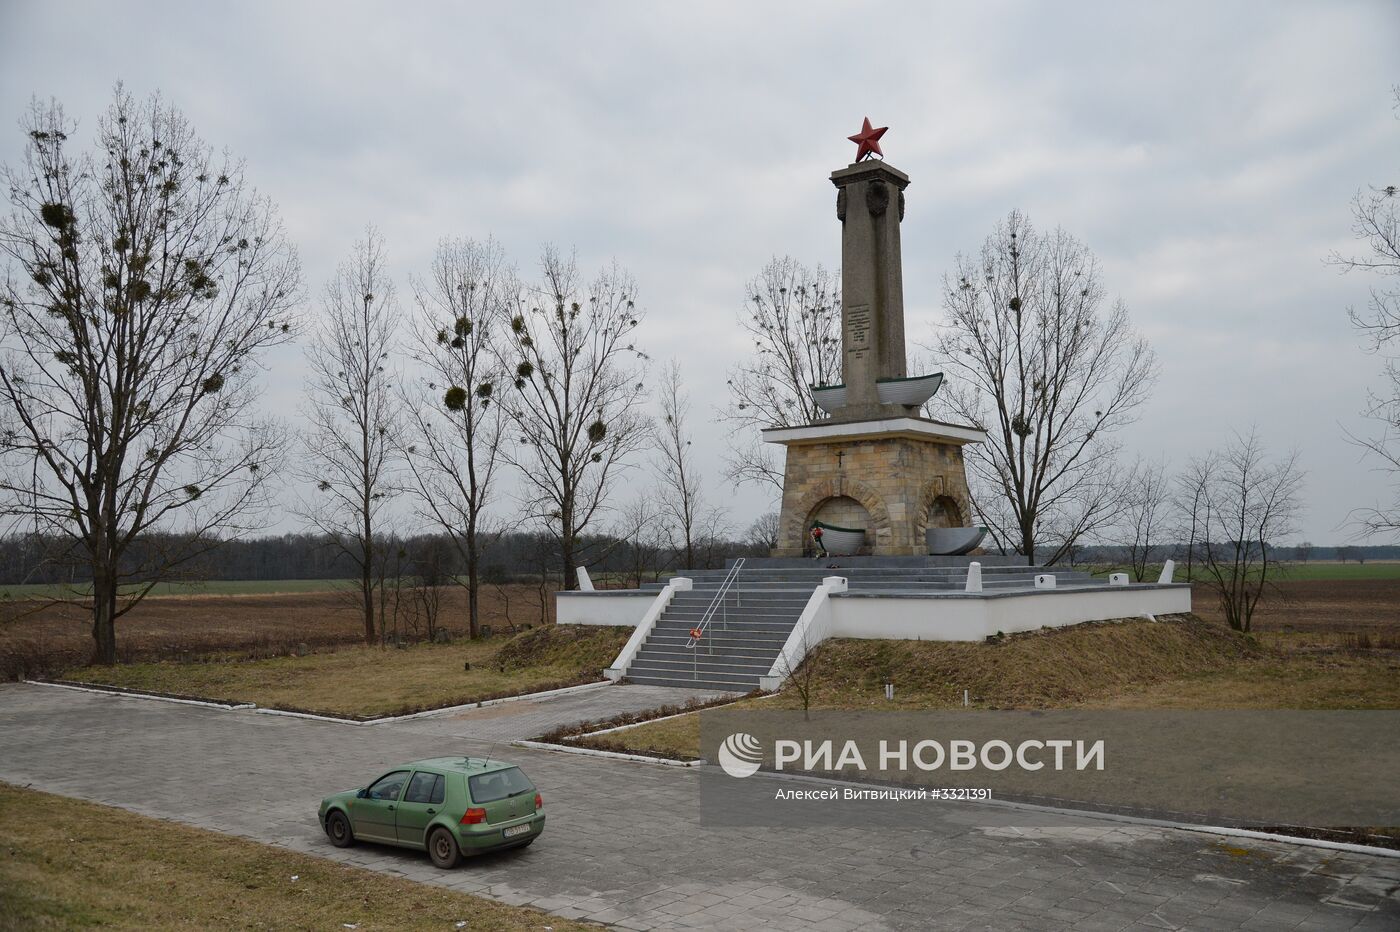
{"points": [[741, 642], [747, 631]]}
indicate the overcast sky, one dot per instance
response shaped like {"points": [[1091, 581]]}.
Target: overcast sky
{"points": [[1206, 153]]}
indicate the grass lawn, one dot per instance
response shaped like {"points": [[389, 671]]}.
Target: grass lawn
{"points": [[1181, 663], [66, 864], [1341, 571], [677, 737], [374, 681]]}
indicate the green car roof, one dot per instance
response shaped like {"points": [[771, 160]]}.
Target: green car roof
{"points": [[461, 764]]}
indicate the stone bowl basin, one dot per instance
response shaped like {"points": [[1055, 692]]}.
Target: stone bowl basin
{"points": [[830, 398], [953, 541], [841, 540], [911, 392]]}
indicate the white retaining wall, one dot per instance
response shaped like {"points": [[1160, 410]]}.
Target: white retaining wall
{"points": [[970, 617], [975, 617], [813, 627], [622, 607]]}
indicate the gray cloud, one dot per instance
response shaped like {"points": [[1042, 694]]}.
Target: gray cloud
{"points": [[1205, 151]]}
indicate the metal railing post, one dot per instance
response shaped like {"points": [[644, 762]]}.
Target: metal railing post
{"points": [[702, 628]]}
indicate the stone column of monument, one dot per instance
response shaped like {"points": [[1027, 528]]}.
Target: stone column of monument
{"points": [[870, 206], [874, 464]]}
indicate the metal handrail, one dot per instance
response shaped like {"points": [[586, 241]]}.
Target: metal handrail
{"points": [[697, 632]]}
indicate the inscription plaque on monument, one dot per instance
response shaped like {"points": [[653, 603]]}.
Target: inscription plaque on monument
{"points": [[857, 330]]}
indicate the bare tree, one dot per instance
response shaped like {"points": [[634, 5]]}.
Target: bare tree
{"points": [[578, 399], [681, 498], [542, 552], [457, 426], [350, 445], [503, 597], [793, 315], [803, 676], [142, 286], [1304, 551], [763, 533], [393, 590], [1247, 502], [1189, 512], [1146, 513], [641, 527], [431, 561], [1376, 222], [1050, 371], [715, 537]]}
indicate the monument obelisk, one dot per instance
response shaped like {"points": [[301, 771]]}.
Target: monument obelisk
{"points": [[870, 206], [874, 465]]}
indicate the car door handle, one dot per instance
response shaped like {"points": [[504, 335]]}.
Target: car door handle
{"points": [[432, 812], [391, 807]]}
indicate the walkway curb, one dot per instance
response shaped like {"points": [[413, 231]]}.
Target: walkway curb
{"points": [[718, 704], [545, 694], [613, 755], [310, 716], [313, 716], [134, 694]]}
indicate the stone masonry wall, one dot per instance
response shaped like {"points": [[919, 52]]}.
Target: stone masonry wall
{"points": [[895, 479], [843, 512]]}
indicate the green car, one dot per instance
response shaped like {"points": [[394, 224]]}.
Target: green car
{"points": [[448, 806]]}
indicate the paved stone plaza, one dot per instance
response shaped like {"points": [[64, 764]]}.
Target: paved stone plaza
{"points": [[625, 844]]}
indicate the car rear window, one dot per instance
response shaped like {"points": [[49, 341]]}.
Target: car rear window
{"points": [[489, 787]]}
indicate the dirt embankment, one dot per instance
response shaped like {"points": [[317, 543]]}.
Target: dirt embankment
{"points": [[1039, 669]]}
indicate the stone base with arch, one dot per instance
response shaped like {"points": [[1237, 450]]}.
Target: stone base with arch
{"points": [[893, 483]]}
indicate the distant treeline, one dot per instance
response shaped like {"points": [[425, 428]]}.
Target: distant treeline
{"points": [[510, 558]]}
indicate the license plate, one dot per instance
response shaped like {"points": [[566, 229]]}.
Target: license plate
{"points": [[516, 830]]}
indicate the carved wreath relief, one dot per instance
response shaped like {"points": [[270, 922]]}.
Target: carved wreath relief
{"points": [[877, 197]]}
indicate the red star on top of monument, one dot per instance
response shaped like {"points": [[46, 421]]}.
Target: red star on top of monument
{"points": [[868, 139]]}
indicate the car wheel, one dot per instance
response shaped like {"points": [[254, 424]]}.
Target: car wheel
{"points": [[338, 828], [442, 848]]}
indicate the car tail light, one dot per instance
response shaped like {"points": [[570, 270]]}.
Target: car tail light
{"points": [[473, 817], [539, 801]]}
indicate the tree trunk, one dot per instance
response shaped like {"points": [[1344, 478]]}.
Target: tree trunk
{"points": [[104, 616], [367, 593], [473, 610], [566, 553]]}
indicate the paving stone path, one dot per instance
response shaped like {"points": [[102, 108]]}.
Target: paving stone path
{"points": [[529, 718], [625, 843]]}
